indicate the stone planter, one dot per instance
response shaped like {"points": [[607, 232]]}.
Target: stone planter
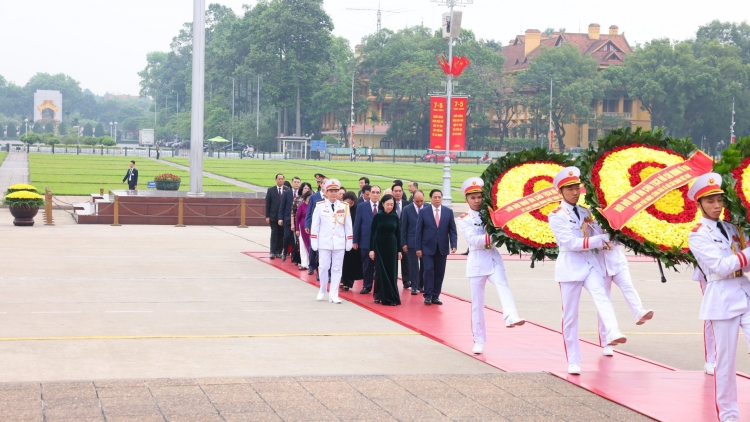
{"points": [[24, 214], [167, 184]]}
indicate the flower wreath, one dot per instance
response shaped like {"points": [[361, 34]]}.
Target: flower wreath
{"points": [[735, 170], [621, 161], [515, 176]]}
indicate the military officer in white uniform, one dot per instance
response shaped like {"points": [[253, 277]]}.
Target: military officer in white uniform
{"points": [[615, 269], [722, 256], [709, 343], [577, 266], [331, 235], [483, 263]]}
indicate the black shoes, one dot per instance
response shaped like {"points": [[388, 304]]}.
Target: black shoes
{"points": [[283, 257], [428, 301], [364, 291], [421, 290], [407, 284], [272, 256], [317, 277], [414, 292], [310, 271], [436, 301]]}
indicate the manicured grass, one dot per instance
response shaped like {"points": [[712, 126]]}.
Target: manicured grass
{"points": [[2, 157], [86, 174], [262, 172]]}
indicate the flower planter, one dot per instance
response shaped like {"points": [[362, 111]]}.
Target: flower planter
{"points": [[23, 214], [167, 184]]}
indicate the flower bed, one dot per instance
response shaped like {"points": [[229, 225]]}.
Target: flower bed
{"points": [[516, 176], [167, 181], [622, 160]]}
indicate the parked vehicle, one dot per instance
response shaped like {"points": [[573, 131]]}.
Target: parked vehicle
{"points": [[437, 157]]}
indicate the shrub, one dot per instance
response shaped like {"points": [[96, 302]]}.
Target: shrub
{"points": [[31, 138]]}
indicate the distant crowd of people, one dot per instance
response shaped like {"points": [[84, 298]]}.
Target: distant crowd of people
{"points": [[372, 229]]}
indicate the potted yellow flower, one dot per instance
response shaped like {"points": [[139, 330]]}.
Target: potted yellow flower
{"points": [[23, 203]]}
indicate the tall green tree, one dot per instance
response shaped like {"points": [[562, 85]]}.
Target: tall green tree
{"points": [[88, 130], [575, 82], [99, 131]]}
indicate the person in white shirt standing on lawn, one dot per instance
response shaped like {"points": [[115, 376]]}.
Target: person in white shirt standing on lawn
{"points": [[483, 263], [722, 256], [331, 235], [577, 267]]}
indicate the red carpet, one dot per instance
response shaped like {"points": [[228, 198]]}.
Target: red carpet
{"points": [[650, 388]]}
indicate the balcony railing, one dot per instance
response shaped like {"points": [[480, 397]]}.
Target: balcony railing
{"points": [[612, 114]]}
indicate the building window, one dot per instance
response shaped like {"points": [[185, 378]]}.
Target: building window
{"points": [[592, 135], [610, 106], [627, 106], [594, 104], [385, 143]]}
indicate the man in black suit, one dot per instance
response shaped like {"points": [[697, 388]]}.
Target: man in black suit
{"points": [[412, 187], [409, 217], [273, 202], [362, 223], [131, 176], [363, 181], [364, 195], [435, 228], [400, 204], [285, 216]]}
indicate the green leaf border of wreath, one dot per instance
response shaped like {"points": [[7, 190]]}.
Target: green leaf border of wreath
{"points": [[624, 137], [731, 158], [490, 175]]}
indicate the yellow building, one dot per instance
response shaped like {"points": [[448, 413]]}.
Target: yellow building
{"points": [[609, 50], [369, 127]]}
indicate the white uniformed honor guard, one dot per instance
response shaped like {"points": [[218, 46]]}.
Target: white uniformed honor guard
{"points": [[484, 263], [577, 266], [615, 269], [331, 235], [720, 250], [709, 343]]}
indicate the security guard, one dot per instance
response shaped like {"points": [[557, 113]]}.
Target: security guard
{"points": [[331, 235], [615, 269], [484, 263], [720, 250], [577, 266]]}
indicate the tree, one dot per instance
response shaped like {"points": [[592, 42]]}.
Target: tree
{"points": [[725, 33], [31, 138], [49, 127], [38, 129], [62, 128], [99, 131], [88, 130], [12, 130], [107, 141], [576, 81]]}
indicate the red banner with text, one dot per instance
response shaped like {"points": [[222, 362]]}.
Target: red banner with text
{"points": [[458, 123], [521, 206], [644, 194], [438, 108]]}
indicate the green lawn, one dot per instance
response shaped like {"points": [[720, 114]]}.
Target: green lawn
{"points": [[86, 174], [262, 172], [2, 157]]}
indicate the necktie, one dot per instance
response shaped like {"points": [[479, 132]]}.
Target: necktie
{"points": [[437, 217], [374, 209], [575, 210], [398, 209], [279, 192], [721, 229], [333, 208]]}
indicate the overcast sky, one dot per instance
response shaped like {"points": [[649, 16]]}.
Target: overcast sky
{"points": [[103, 43]]}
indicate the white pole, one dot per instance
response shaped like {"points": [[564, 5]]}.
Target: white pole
{"points": [[196, 117], [232, 113], [351, 123], [257, 111], [731, 128], [551, 128], [447, 197]]}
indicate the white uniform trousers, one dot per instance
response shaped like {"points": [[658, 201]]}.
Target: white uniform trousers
{"points": [[333, 259], [571, 298], [303, 257], [725, 374], [625, 283], [709, 342], [478, 284]]}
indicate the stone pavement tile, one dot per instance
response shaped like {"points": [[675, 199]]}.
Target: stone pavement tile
{"points": [[72, 411], [251, 417], [284, 396], [462, 408], [343, 403], [242, 407], [319, 379], [305, 415], [119, 384], [536, 416], [21, 414], [55, 391], [21, 395], [379, 388], [169, 382], [20, 386], [537, 391], [135, 392], [230, 392], [495, 418], [565, 388], [409, 409], [193, 418], [611, 409], [177, 409], [177, 391], [375, 414], [76, 419], [153, 418], [132, 410], [508, 407]]}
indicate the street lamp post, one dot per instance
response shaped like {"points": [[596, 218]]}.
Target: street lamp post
{"points": [[115, 133], [447, 196], [110, 129], [27, 127], [198, 94]]}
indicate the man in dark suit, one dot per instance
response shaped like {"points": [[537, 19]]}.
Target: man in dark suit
{"points": [[409, 218], [412, 187], [364, 195], [285, 215], [400, 204], [362, 223], [363, 181], [314, 199], [131, 176], [435, 228], [273, 202]]}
